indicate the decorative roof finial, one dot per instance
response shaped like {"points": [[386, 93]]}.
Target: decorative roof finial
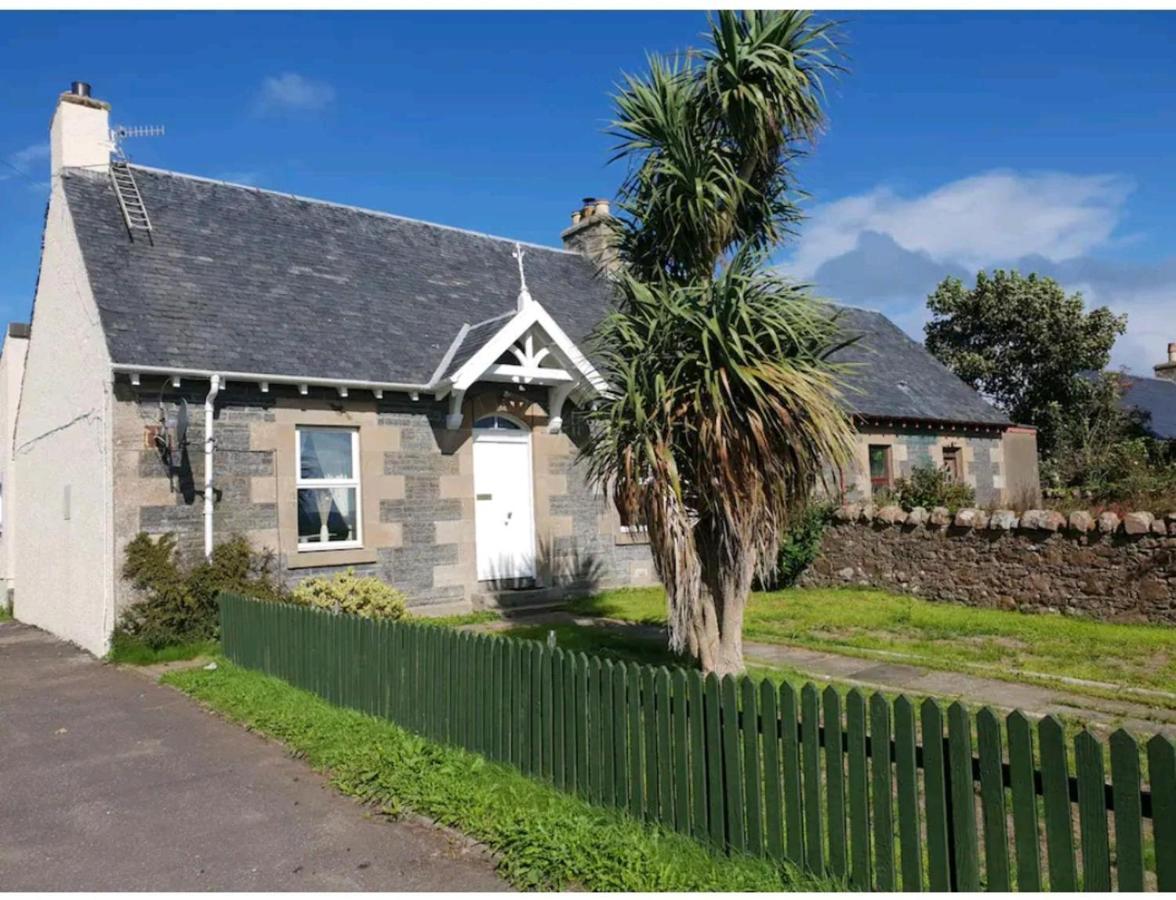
{"points": [[524, 294]]}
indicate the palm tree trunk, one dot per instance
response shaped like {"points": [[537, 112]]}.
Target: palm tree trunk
{"points": [[728, 587]]}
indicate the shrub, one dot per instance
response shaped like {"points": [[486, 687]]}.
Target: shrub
{"points": [[179, 598], [929, 487], [348, 593], [800, 546]]}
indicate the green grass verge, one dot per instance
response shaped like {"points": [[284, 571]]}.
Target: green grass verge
{"points": [[937, 635], [4, 614], [130, 652], [542, 838], [480, 617]]}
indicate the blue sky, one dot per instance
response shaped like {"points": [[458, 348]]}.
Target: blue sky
{"points": [[956, 141]]}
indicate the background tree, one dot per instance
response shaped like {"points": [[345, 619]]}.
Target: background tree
{"points": [[1105, 452], [1022, 342], [725, 409]]}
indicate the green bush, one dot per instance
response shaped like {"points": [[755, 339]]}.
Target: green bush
{"points": [[179, 596], [930, 486], [800, 547], [348, 593]]}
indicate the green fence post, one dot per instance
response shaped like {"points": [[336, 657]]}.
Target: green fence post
{"points": [[636, 738], [773, 788], [794, 829], [665, 759], [1055, 779], [835, 782], [882, 790], [697, 732], [939, 851], [1092, 813], [1128, 811], [649, 742], [619, 716], [752, 774], [860, 876], [810, 749], [1161, 762], [679, 741], [910, 847], [963, 804], [992, 802], [732, 766], [608, 795], [716, 808]]}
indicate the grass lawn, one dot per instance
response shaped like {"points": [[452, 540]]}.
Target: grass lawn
{"points": [[936, 635], [133, 653], [542, 838]]}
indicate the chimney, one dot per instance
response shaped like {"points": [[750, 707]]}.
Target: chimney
{"points": [[80, 134], [1167, 370], [591, 233]]}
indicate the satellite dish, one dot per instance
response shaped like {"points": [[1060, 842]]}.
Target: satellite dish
{"points": [[182, 425]]}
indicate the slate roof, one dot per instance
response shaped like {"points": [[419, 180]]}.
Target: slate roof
{"points": [[244, 280], [894, 376], [237, 279], [1157, 398]]}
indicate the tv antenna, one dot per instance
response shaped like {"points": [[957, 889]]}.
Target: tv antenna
{"points": [[120, 133]]}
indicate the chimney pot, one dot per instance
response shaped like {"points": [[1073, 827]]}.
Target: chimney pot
{"points": [[79, 88], [1172, 352]]}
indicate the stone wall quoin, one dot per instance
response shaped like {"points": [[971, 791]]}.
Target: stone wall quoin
{"points": [[1105, 567]]}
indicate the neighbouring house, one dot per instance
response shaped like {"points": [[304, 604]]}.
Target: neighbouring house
{"points": [[353, 389], [1155, 397]]}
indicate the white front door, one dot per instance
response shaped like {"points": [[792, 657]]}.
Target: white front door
{"points": [[504, 519]]}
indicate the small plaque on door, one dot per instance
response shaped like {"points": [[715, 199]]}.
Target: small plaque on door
{"points": [[484, 496]]}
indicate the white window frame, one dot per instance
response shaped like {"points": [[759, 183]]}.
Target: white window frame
{"points": [[301, 483]]}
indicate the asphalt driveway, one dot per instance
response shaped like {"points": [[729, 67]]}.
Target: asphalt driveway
{"points": [[111, 782]]}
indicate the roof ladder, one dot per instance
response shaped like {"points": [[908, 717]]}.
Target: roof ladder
{"points": [[129, 198]]}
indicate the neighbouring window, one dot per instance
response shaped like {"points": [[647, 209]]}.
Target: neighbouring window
{"points": [[328, 488], [879, 467], [953, 463]]}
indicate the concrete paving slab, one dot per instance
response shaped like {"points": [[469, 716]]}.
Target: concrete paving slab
{"points": [[111, 782]]}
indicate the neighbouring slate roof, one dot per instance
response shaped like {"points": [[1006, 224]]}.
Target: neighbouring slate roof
{"points": [[237, 279], [1157, 398], [894, 376]]}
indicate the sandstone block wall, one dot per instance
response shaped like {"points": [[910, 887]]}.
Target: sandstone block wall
{"points": [[1103, 567], [417, 490]]}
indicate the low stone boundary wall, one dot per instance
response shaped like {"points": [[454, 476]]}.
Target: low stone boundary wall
{"points": [[1103, 567]]}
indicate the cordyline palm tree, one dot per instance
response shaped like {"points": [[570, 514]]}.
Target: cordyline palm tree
{"points": [[724, 410]]}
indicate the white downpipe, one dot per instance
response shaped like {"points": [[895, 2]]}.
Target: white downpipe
{"points": [[214, 384]]}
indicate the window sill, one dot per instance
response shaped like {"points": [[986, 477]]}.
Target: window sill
{"points": [[632, 536], [307, 559]]}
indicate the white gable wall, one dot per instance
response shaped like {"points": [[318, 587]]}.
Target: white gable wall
{"points": [[12, 361], [63, 539]]}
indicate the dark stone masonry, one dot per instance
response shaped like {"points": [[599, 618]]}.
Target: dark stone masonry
{"points": [[1104, 567]]}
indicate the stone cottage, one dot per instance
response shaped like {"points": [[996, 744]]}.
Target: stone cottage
{"points": [[351, 389]]}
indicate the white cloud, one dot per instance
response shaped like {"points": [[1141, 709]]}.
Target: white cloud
{"points": [[888, 252], [974, 221], [22, 162], [291, 92]]}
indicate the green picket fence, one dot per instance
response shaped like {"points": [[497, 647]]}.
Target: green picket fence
{"points": [[887, 794]]}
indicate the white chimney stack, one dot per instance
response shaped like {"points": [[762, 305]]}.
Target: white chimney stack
{"points": [[80, 134]]}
